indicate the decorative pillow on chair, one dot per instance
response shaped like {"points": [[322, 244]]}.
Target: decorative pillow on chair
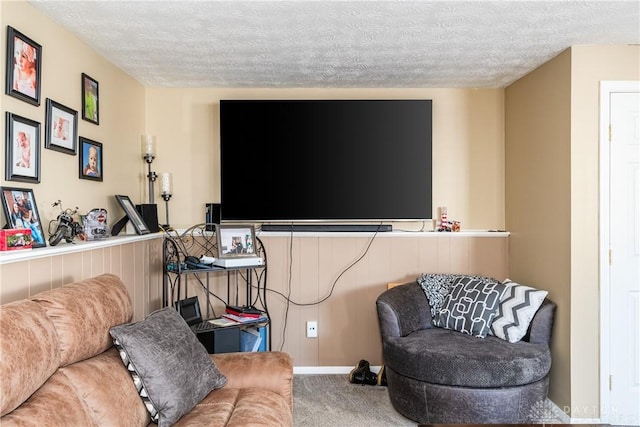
{"points": [[470, 306], [170, 368], [437, 286], [517, 308]]}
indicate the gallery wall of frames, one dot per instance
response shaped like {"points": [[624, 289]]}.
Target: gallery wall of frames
{"points": [[23, 157], [23, 81]]}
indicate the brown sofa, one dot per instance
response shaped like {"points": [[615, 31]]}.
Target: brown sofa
{"points": [[58, 367]]}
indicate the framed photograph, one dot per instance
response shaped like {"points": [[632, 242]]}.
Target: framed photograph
{"points": [[24, 63], [22, 155], [61, 132], [90, 104], [91, 163], [133, 215], [21, 211], [236, 241]]}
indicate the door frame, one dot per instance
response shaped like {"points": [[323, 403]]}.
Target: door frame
{"points": [[606, 88]]}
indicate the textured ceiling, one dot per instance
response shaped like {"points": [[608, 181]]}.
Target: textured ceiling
{"points": [[339, 43]]}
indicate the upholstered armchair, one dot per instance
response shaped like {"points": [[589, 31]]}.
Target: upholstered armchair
{"points": [[442, 376]]}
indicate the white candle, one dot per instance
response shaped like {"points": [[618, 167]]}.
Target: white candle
{"points": [[148, 145], [166, 182]]}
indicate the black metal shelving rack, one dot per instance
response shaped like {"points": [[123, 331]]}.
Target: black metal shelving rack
{"points": [[196, 241]]}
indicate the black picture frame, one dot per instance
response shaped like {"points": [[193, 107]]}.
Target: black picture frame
{"points": [[21, 211], [24, 67], [236, 241], [132, 213], [61, 132], [91, 165], [22, 149], [90, 99]]}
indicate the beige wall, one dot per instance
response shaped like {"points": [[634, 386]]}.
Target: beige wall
{"points": [[551, 146], [590, 65], [468, 175], [64, 59], [538, 197]]}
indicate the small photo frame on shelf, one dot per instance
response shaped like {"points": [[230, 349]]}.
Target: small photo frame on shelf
{"points": [[24, 63], [90, 100], [61, 132], [22, 154], [21, 211], [236, 241], [91, 161], [132, 214]]}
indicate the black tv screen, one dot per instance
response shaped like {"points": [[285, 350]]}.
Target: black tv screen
{"points": [[325, 160]]}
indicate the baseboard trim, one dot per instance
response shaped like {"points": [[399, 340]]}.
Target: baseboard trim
{"points": [[327, 370]]}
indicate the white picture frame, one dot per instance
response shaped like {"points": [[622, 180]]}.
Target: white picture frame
{"points": [[236, 241]]}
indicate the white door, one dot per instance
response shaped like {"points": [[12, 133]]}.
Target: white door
{"points": [[621, 270]]}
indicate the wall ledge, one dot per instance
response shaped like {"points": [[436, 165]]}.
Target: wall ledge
{"points": [[395, 233], [80, 246], [77, 246]]}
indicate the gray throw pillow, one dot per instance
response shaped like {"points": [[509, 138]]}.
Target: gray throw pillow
{"points": [[170, 368], [436, 287], [470, 306]]}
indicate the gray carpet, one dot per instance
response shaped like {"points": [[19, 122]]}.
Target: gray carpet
{"points": [[330, 400]]}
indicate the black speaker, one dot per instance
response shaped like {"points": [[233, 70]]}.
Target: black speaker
{"points": [[212, 215], [149, 213], [220, 340]]}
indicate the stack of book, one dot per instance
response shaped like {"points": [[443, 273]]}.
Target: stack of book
{"points": [[253, 339], [244, 314]]}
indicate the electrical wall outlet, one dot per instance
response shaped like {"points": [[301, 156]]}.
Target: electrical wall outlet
{"points": [[312, 329]]}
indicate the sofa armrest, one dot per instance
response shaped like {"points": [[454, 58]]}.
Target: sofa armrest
{"points": [[403, 309], [542, 324], [272, 370]]}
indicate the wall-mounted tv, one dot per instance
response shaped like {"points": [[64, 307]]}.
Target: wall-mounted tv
{"points": [[325, 160]]}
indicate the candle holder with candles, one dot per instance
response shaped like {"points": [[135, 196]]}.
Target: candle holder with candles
{"points": [[148, 154], [166, 183], [149, 211]]}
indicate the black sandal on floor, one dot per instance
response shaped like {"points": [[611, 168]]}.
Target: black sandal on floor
{"points": [[362, 374]]}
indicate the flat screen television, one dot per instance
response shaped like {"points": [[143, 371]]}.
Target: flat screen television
{"points": [[303, 161]]}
